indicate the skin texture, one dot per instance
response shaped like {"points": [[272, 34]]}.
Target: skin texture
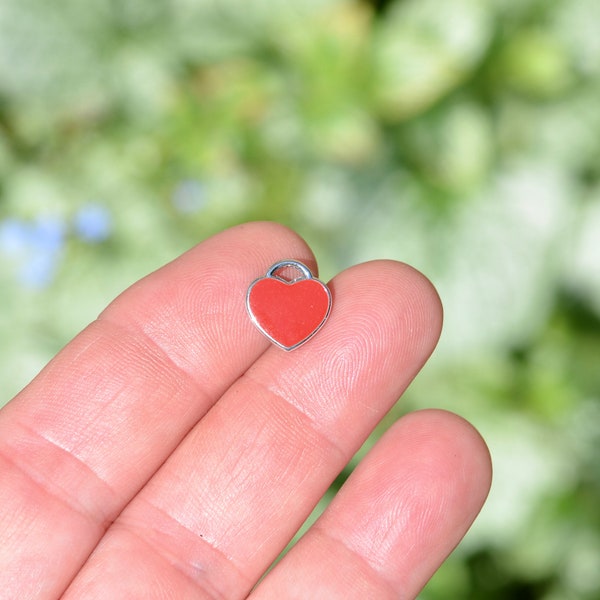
{"points": [[170, 451]]}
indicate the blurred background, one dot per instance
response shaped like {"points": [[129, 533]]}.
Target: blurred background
{"points": [[461, 136]]}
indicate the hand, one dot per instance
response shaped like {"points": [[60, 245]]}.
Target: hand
{"points": [[169, 451]]}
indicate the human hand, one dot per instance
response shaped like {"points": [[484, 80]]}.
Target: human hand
{"points": [[169, 451]]}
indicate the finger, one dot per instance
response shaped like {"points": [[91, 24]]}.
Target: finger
{"points": [[399, 515], [82, 439], [243, 481]]}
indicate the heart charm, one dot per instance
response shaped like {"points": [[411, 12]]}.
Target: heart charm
{"points": [[289, 313]]}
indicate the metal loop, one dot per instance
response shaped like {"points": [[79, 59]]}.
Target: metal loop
{"points": [[290, 263]]}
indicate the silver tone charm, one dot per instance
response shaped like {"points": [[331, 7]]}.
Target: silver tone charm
{"points": [[288, 312]]}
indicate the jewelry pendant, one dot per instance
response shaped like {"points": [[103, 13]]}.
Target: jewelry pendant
{"points": [[288, 312]]}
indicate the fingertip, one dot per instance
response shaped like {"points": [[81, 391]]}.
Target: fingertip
{"points": [[187, 306], [423, 303], [405, 309], [414, 496], [455, 444]]}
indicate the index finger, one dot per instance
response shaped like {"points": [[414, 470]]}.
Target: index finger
{"points": [[91, 429]]}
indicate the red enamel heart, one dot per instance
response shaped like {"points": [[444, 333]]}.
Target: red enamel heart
{"points": [[288, 313]]}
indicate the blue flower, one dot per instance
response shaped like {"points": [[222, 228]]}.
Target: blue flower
{"points": [[33, 248], [14, 237], [48, 234], [93, 223], [39, 271]]}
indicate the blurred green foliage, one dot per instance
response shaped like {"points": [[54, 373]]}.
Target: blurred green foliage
{"points": [[462, 137]]}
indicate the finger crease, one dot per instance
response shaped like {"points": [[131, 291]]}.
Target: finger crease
{"points": [[139, 333], [312, 424], [192, 570], [319, 531], [46, 480]]}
